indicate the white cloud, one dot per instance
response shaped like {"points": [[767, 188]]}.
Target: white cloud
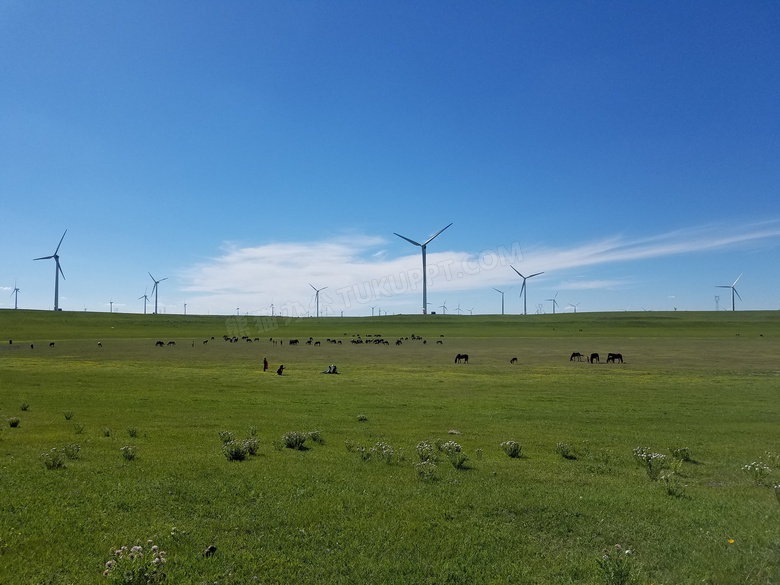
{"points": [[357, 271]]}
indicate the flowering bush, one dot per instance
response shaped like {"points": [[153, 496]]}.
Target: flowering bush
{"points": [[128, 452], [71, 451], [235, 450], [653, 463], [566, 451], [25, 405], [672, 484], [225, 436], [68, 414], [384, 451], [426, 470], [316, 436], [14, 421], [512, 448], [132, 431], [294, 440], [616, 566], [53, 459], [455, 454], [136, 566], [362, 417], [426, 451], [251, 444], [757, 471]]}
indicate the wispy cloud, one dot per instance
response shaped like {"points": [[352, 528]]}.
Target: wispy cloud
{"points": [[358, 271]]}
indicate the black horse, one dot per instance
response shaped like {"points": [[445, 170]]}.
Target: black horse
{"points": [[462, 357], [614, 358], [594, 358], [576, 356]]}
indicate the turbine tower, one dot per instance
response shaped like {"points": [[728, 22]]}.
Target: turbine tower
{"points": [[423, 246], [146, 300], [733, 291], [502, 298], [155, 288], [524, 289], [16, 295], [317, 296], [57, 272]]}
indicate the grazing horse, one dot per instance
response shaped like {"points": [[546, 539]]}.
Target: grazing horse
{"points": [[160, 344], [462, 357], [51, 344], [594, 358], [576, 355], [614, 357], [171, 343], [513, 361]]}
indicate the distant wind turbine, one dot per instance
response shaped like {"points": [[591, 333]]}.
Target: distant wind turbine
{"points": [[554, 302], [457, 309], [146, 299], [471, 310], [575, 305], [16, 295], [57, 272], [524, 289], [423, 246], [733, 291], [317, 296], [502, 298], [155, 289], [443, 308]]}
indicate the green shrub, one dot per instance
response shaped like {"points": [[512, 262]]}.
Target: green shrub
{"points": [[566, 451], [512, 449], [235, 450], [294, 440], [14, 422], [128, 452]]}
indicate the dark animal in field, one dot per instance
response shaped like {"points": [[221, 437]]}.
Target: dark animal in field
{"points": [[100, 344], [205, 341], [614, 357], [439, 342], [576, 356], [462, 358], [32, 346], [317, 344], [10, 342], [399, 342], [51, 344], [210, 551], [280, 370], [292, 342], [170, 343], [160, 344], [594, 358], [513, 361], [248, 340]]}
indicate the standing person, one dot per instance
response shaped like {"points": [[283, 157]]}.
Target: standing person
{"points": [[265, 365]]}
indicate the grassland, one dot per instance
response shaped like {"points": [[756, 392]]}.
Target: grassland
{"points": [[327, 514]]}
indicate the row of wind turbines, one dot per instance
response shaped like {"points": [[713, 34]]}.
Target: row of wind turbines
{"points": [[58, 271], [424, 246]]}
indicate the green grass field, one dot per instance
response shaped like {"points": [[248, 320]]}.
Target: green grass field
{"points": [[357, 507]]}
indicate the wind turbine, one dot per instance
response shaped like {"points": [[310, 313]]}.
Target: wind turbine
{"points": [[575, 305], [57, 272], [16, 295], [457, 309], [423, 246], [443, 308], [317, 296], [146, 299], [502, 298], [554, 302], [524, 289], [155, 288], [733, 291]]}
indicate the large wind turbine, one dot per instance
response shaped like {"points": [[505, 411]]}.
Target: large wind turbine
{"points": [[424, 271], [154, 289], [146, 300], [733, 291], [16, 294], [524, 290], [502, 298], [317, 296], [57, 272]]}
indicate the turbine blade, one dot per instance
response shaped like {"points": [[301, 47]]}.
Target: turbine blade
{"points": [[150, 276], [738, 277], [518, 273], [428, 241], [737, 293], [60, 244], [408, 240], [522, 289], [60, 268], [537, 274], [43, 258], [166, 278]]}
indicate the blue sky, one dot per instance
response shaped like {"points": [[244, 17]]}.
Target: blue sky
{"points": [[248, 150]]}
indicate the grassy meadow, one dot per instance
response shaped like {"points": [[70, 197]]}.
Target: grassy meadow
{"points": [[124, 442]]}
